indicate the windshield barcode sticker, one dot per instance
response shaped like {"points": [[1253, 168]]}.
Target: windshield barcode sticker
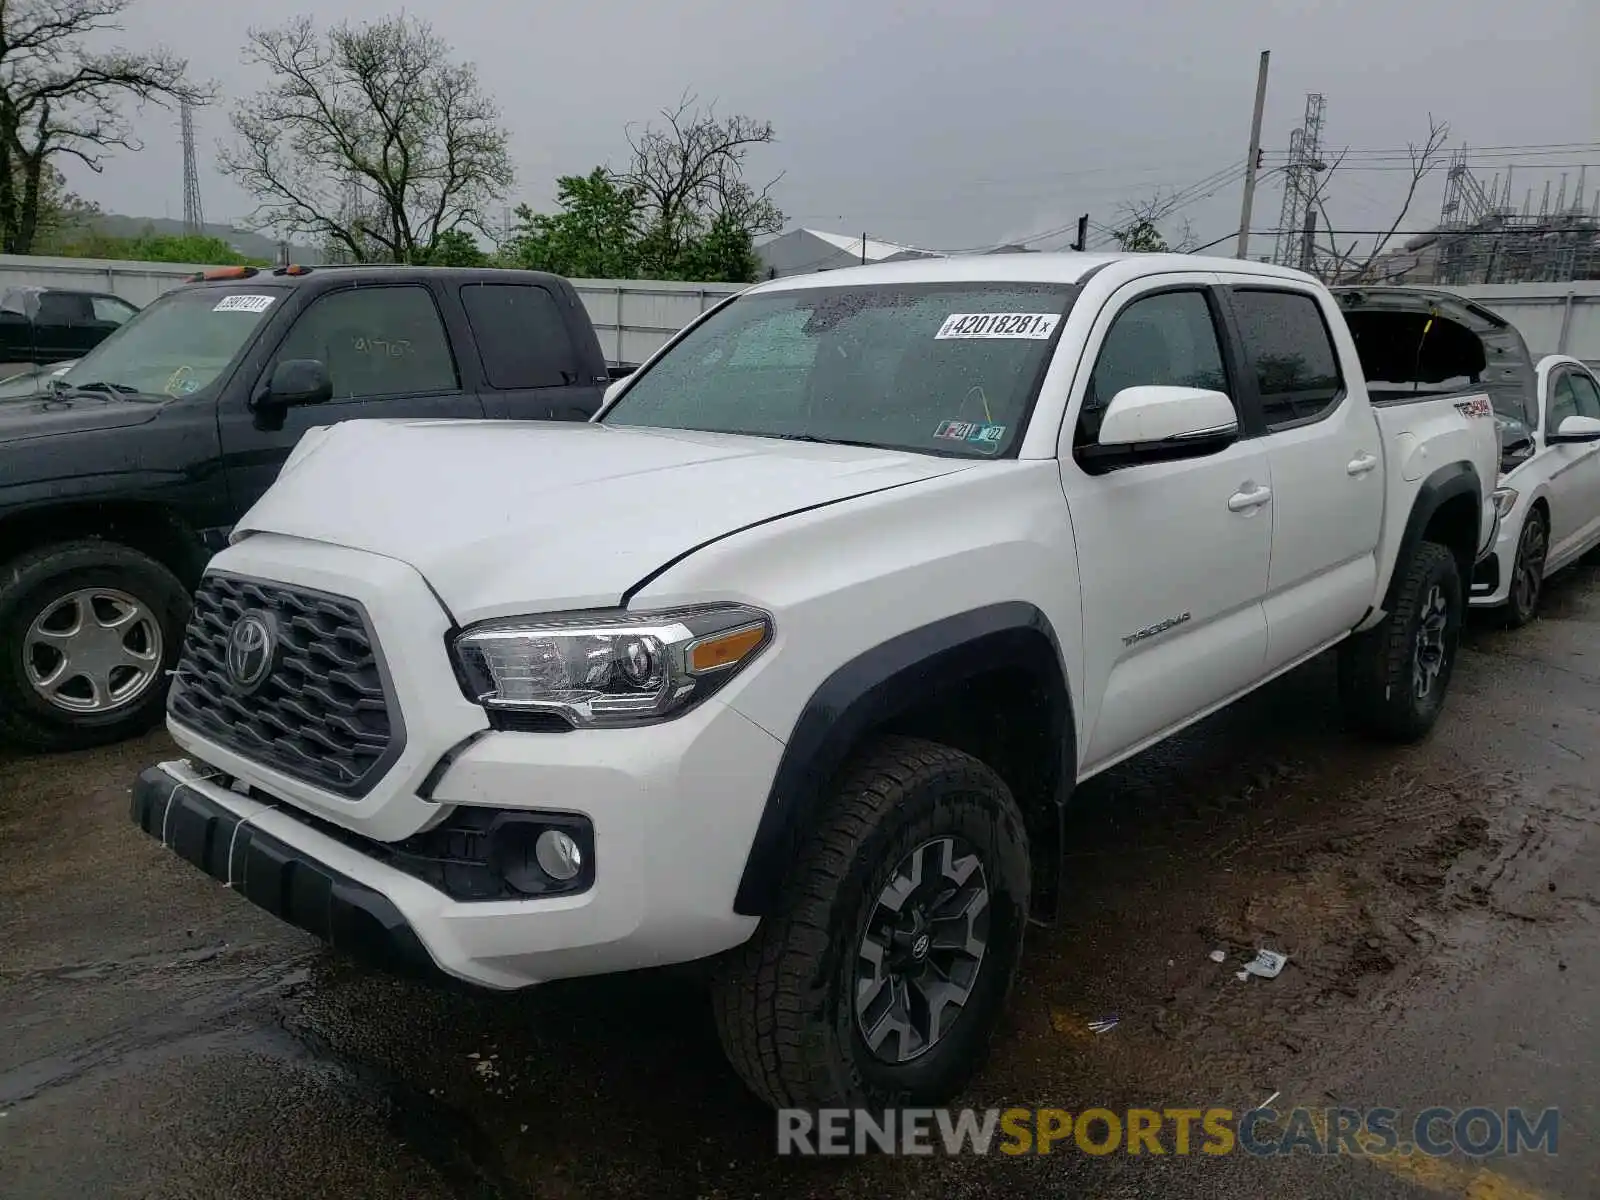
{"points": [[250, 304], [1036, 326]]}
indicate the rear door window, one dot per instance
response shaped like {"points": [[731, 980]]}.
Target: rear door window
{"points": [[522, 339], [1290, 351], [375, 341]]}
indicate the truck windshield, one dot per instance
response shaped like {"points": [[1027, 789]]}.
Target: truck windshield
{"points": [[177, 345], [937, 368]]}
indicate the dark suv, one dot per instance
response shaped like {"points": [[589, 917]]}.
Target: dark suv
{"points": [[126, 473], [41, 325]]}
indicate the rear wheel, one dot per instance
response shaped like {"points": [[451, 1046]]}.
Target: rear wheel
{"points": [[1393, 678], [880, 977], [88, 632], [1527, 573]]}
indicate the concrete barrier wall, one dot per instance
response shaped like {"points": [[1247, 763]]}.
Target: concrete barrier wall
{"points": [[1555, 318]]}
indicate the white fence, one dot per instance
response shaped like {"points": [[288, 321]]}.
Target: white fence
{"points": [[1555, 318], [634, 316]]}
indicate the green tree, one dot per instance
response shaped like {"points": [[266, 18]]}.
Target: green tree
{"points": [[1141, 236], [594, 235], [457, 248], [156, 247]]}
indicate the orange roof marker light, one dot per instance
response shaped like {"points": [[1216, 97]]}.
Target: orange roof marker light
{"points": [[292, 269], [217, 273]]}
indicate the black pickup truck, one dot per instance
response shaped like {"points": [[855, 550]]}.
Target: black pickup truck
{"points": [[45, 325], [126, 473]]}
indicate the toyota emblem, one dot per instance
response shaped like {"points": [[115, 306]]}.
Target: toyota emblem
{"points": [[251, 645]]}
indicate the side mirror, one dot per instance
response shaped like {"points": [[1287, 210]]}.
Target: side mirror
{"points": [[611, 392], [295, 382], [299, 381], [1575, 429], [1157, 423]]}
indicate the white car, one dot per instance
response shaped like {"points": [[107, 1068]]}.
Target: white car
{"points": [[790, 658], [1549, 499]]}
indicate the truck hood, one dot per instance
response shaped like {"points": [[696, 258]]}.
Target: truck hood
{"points": [[510, 517], [44, 416]]}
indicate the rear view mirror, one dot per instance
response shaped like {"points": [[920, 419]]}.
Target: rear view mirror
{"points": [[1576, 429], [1157, 423]]}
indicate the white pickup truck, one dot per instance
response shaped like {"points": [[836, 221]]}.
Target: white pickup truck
{"points": [[790, 659]]}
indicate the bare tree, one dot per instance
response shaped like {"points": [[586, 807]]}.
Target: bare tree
{"points": [[371, 139], [60, 99], [1144, 225], [689, 174], [1347, 265]]}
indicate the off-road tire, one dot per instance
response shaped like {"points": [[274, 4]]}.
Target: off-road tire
{"points": [[30, 583], [1534, 539], [784, 1001], [1378, 668]]}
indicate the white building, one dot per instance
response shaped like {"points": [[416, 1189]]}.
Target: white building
{"points": [[801, 251]]}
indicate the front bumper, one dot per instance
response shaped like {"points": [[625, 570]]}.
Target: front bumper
{"points": [[217, 837], [671, 809], [1491, 578]]}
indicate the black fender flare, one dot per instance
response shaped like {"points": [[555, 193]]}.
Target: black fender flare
{"points": [[874, 688], [1444, 484]]}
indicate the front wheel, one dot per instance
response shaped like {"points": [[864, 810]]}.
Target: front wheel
{"points": [[1393, 677], [880, 977], [1527, 573], [88, 631]]}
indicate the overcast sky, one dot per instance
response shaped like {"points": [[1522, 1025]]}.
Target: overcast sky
{"points": [[950, 125]]}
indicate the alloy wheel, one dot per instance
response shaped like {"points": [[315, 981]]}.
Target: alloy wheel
{"points": [[922, 950], [93, 650]]}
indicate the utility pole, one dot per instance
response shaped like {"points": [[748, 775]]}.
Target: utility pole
{"points": [[1308, 242], [1083, 233], [1252, 163], [863, 249]]}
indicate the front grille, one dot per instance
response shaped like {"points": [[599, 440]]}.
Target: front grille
{"points": [[322, 712]]}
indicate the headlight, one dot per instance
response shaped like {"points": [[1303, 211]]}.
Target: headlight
{"points": [[1505, 499], [609, 668]]}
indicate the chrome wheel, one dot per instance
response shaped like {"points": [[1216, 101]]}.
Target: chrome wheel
{"points": [[1431, 650], [1527, 576], [922, 950], [93, 650]]}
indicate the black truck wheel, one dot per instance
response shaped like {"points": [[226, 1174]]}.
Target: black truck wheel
{"points": [[1393, 677], [880, 977], [88, 631]]}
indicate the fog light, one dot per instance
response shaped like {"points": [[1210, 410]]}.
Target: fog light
{"points": [[558, 855]]}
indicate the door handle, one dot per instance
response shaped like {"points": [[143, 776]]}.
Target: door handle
{"points": [[1361, 464], [1244, 501]]}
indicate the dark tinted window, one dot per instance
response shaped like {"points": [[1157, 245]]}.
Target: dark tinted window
{"points": [[375, 341], [65, 308], [522, 340], [1287, 345], [1167, 339]]}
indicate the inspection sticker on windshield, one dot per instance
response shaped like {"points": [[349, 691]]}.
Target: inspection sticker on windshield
{"points": [[250, 304], [1036, 326], [982, 434]]}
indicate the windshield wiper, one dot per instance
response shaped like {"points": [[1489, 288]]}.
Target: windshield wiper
{"points": [[825, 441], [111, 389]]}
